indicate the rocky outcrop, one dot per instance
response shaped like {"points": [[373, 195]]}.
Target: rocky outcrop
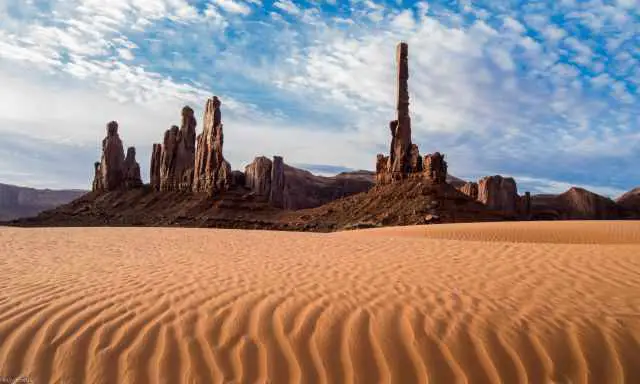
{"points": [[110, 175], [154, 172], [499, 194], [525, 206], [212, 172], [258, 176], [435, 168], [185, 151], [276, 195], [167, 159], [382, 174], [178, 154], [404, 160], [470, 189], [223, 177], [97, 177], [131, 170], [237, 179]]}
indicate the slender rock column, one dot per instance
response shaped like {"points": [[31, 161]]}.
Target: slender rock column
{"points": [[400, 156]]}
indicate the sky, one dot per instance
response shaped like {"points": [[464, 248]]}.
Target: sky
{"points": [[547, 92]]}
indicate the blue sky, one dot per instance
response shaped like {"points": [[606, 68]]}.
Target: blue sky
{"points": [[546, 92]]}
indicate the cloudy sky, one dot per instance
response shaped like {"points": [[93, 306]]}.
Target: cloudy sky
{"points": [[545, 91]]}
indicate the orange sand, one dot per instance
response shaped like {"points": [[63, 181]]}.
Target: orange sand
{"points": [[505, 302]]}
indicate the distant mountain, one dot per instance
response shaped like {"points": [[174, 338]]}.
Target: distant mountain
{"points": [[630, 200], [17, 202], [576, 204]]}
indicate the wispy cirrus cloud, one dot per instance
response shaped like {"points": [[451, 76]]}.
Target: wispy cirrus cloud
{"points": [[545, 91]]}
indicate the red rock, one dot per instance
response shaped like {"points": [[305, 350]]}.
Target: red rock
{"points": [[258, 176], [382, 166], [237, 178], [111, 166], [168, 159], [499, 193], [415, 161], [97, 177], [186, 151], [525, 205], [404, 159], [470, 189], [154, 173], [435, 168], [277, 192], [131, 170], [210, 163], [401, 127]]}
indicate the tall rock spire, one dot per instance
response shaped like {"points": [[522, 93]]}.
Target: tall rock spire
{"points": [[212, 171], [401, 127], [404, 160]]}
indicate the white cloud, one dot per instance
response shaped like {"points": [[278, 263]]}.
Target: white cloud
{"points": [[554, 33], [505, 91], [513, 25], [287, 6], [233, 6]]}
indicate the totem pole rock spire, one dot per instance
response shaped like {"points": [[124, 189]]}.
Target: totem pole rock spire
{"points": [[401, 127], [404, 160]]}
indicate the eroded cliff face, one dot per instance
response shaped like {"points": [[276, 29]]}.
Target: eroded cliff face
{"points": [[277, 193], [499, 193], [258, 176]]}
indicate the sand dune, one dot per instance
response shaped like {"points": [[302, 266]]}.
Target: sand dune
{"points": [[504, 302]]}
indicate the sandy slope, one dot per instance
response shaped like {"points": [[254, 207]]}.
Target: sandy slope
{"points": [[391, 305]]}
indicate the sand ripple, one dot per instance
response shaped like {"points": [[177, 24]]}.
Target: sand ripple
{"points": [[494, 303]]}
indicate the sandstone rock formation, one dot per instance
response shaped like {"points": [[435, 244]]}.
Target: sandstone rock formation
{"points": [[404, 160], [266, 177], [131, 170], [499, 193], [110, 174], [382, 174], [435, 168], [237, 179], [97, 177], [470, 189], [525, 205], [258, 176], [276, 195], [154, 173], [212, 171], [400, 154], [185, 151]]}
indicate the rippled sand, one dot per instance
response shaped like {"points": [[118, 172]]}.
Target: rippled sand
{"points": [[496, 302]]}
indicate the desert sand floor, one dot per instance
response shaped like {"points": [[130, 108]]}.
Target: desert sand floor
{"points": [[476, 303]]}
